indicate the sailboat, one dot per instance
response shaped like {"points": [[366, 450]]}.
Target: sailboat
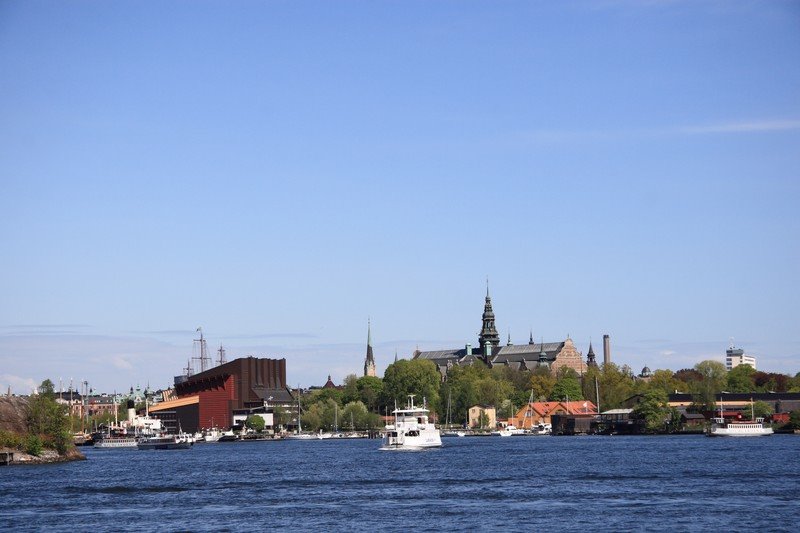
{"points": [[299, 435], [449, 432]]}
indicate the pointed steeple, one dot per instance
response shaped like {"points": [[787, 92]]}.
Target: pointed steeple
{"points": [[531, 339], [369, 361], [488, 336], [508, 343], [590, 357]]}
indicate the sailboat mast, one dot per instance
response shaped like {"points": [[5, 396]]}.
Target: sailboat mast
{"points": [[597, 394]]}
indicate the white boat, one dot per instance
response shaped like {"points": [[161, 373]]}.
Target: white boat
{"points": [[542, 429], [504, 432], [411, 429], [720, 427], [729, 428], [166, 442], [211, 435], [116, 441]]}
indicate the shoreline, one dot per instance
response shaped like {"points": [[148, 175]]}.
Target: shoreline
{"points": [[18, 457]]}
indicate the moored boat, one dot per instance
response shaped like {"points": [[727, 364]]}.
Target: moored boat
{"points": [[165, 442], [721, 427], [116, 441], [411, 429]]}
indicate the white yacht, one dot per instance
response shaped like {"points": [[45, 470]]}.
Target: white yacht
{"points": [[411, 429]]}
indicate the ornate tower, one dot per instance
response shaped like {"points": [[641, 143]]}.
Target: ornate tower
{"points": [[488, 336], [369, 362], [590, 357]]}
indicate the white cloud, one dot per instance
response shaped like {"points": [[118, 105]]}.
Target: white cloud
{"points": [[121, 363], [755, 126]]}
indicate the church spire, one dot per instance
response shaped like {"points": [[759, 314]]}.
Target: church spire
{"points": [[488, 336], [369, 361], [590, 357]]}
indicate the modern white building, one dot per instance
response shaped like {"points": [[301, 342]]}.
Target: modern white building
{"points": [[735, 357]]}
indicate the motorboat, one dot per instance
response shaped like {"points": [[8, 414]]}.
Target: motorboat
{"points": [[503, 432], [211, 435], [411, 429]]}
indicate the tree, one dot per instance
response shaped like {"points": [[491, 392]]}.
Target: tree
{"points": [[255, 422], [713, 379], [416, 376], [370, 390], [48, 421], [322, 395], [740, 379], [759, 410], [483, 419], [355, 416], [281, 416], [616, 386], [664, 380], [542, 382], [654, 410], [567, 386], [350, 392], [794, 419]]}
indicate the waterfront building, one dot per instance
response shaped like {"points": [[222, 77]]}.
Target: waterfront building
{"points": [[735, 357], [208, 399], [482, 417], [369, 361], [534, 413]]}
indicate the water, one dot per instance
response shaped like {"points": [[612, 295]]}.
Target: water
{"points": [[689, 483]]}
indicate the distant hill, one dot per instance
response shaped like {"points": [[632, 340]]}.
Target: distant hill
{"points": [[13, 414]]}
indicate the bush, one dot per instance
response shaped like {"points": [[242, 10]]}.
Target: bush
{"points": [[255, 423], [794, 419], [11, 440], [33, 445]]}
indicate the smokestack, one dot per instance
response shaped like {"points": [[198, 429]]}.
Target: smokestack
{"points": [[131, 410], [606, 349]]}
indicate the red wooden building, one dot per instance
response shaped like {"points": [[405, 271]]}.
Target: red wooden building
{"points": [[208, 399]]}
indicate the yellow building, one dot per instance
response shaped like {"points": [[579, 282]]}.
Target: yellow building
{"points": [[482, 413]]}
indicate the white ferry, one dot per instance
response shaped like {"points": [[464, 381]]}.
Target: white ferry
{"points": [[411, 429], [734, 428], [116, 441], [729, 428], [166, 442]]}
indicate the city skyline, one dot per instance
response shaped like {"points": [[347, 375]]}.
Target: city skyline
{"points": [[279, 173]]}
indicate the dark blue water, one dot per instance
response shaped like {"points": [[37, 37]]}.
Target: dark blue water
{"points": [[512, 484]]}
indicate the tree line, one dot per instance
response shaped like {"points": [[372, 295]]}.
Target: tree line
{"points": [[360, 401]]}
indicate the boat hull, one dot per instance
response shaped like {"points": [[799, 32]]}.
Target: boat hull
{"points": [[164, 445], [115, 443]]}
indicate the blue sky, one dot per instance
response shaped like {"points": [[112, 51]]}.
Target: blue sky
{"points": [[278, 172]]}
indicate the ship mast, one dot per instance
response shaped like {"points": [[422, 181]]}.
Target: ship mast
{"points": [[205, 360], [221, 353]]}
